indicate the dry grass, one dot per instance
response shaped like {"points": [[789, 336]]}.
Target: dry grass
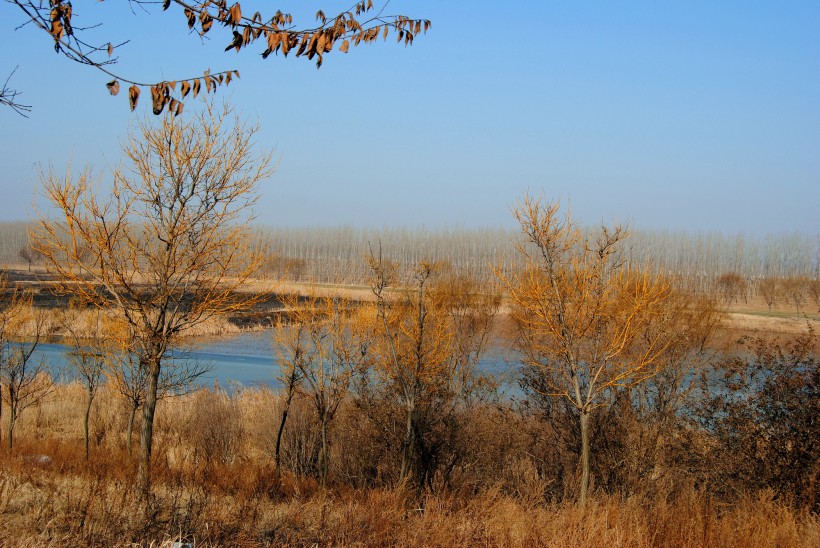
{"points": [[48, 507], [214, 484], [757, 323], [89, 324]]}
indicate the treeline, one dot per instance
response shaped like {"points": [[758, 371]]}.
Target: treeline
{"points": [[334, 254], [782, 269]]}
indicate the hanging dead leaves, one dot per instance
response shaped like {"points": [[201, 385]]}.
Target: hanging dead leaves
{"points": [[162, 93], [346, 28], [60, 16], [362, 24]]}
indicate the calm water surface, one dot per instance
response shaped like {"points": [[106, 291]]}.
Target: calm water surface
{"points": [[247, 359]]}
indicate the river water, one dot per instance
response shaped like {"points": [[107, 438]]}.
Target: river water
{"points": [[247, 359]]}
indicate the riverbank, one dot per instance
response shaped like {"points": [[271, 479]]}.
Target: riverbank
{"points": [[749, 318]]}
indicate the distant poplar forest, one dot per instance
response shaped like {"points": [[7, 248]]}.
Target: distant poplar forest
{"points": [[696, 260]]}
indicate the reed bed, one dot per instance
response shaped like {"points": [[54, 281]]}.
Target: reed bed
{"points": [[215, 484]]}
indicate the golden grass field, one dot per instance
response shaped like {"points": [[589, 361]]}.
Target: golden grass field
{"points": [[220, 490]]}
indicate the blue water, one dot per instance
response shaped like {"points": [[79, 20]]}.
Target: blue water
{"points": [[245, 359]]}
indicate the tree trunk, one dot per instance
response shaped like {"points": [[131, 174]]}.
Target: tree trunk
{"points": [[147, 434], [323, 454], [131, 427], [408, 445], [278, 455], [584, 456], [12, 417], [85, 421]]}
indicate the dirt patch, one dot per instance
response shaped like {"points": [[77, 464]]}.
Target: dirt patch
{"points": [[769, 324]]}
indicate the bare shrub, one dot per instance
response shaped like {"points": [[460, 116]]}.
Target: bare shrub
{"points": [[214, 429], [761, 408]]}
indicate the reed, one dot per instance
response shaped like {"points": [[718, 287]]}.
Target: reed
{"points": [[214, 485]]}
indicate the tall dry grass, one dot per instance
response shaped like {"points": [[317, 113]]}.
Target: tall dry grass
{"points": [[214, 485]]}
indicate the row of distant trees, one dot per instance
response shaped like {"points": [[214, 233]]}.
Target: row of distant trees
{"points": [[799, 292], [333, 254], [780, 269]]}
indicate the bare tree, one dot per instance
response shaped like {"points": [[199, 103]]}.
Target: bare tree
{"points": [[797, 288], [87, 358], [731, 286], [428, 337], [362, 23], [292, 338], [771, 289], [170, 246], [27, 380], [588, 322], [26, 254], [814, 292], [130, 380], [340, 346]]}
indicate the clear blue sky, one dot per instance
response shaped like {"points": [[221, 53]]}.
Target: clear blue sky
{"points": [[671, 115]]}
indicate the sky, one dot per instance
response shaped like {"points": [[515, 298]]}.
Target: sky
{"points": [[695, 116]]}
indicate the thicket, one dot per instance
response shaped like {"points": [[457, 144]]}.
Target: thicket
{"points": [[679, 464]]}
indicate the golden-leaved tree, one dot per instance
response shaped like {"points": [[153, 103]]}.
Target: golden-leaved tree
{"points": [[273, 32], [588, 321], [427, 339], [169, 246]]}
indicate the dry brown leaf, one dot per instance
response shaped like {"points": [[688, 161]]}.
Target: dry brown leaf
{"points": [[345, 46], [110, 49], [57, 29], [158, 98], [185, 88], [113, 87], [236, 14], [189, 13], [207, 22], [133, 96]]}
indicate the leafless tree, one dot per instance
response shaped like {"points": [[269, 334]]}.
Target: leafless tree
{"points": [[27, 380], [170, 246], [87, 358]]}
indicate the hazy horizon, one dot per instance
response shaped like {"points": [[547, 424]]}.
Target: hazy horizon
{"points": [[696, 117]]}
